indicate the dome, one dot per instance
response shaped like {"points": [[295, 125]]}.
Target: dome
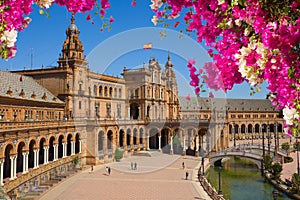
{"points": [[73, 27]]}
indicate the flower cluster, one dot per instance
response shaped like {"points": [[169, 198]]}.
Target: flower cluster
{"points": [[249, 40], [14, 18]]}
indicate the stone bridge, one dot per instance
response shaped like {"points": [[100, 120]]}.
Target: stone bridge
{"points": [[218, 156]]}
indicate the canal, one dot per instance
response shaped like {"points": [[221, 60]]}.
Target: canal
{"points": [[242, 180]]}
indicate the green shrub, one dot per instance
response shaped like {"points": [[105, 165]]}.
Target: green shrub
{"points": [[288, 159], [118, 154]]}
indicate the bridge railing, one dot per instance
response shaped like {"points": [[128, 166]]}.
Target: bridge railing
{"points": [[211, 191]]}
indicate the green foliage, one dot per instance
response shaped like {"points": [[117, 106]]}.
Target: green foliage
{"points": [[285, 146], [297, 146], [295, 184], [288, 159], [276, 171], [76, 160], [118, 154], [267, 160]]}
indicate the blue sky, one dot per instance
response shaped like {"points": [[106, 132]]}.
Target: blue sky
{"points": [[109, 51]]}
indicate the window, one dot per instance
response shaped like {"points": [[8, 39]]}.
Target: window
{"points": [[100, 90], [232, 116], [120, 93], [240, 116], [79, 104], [95, 90], [119, 110], [108, 109]]}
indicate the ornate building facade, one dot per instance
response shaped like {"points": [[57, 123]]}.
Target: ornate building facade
{"points": [[50, 117]]}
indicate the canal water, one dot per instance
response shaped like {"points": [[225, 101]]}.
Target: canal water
{"points": [[242, 180]]}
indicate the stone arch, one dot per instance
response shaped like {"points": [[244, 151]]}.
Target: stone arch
{"points": [[32, 146], [122, 138], [110, 140], [20, 150], [60, 146], [51, 147], [100, 142], [69, 146], [135, 136], [243, 128], [153, 138], [77, 143], [165, 136], [42, 143], [110, 92], [7, 161], [100, 90], [250, 128], [105, 91], [128, 136], [141, 135]]}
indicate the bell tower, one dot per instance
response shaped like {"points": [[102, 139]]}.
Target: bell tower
{"points": [[72, 50], [170, 76]]}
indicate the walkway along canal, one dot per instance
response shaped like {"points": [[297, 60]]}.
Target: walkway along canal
{"points": [[241, 180]]}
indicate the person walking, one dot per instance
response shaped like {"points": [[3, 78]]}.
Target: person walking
{"points": [[183, 166], [108, 170], [92, 169], [131, 165], [186, 175], [135, 166]]}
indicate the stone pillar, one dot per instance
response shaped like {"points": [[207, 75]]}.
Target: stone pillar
{"points": [[55, 156], [148, 143], [1, 171], [26, 165], [64, 149], [197, 146], [37, 158], [12, 159], [105, 150], [131, 142], [171, 144], [72, 147], [24, 162], [79, 146], [159, 143], [45, 155], [184, 148], [15, 167], [34, 159]]}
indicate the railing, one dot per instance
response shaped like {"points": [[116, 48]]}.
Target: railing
{"points": [[211, 191]]}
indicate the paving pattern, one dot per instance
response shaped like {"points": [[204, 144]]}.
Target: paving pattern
{"points": [[158, 177]]}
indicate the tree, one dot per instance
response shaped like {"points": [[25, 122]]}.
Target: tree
{"points": [[295, 184], [286, 146], [276, 171], [267, 160]]}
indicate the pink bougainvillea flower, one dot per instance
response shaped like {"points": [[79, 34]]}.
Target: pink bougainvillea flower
{"points": [[88, 17], [111, 19], [188, 97], [133, 3]]}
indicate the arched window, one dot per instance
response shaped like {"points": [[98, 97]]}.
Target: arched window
{"points": [[100, 90]]}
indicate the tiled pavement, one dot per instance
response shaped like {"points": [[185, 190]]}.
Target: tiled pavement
{"points": [[157, 177]]}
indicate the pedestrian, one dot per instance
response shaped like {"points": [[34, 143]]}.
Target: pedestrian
{"points": [[183, 166], [135, 166], [108, 170], [92, 169], [186, 175], [131, 165]]}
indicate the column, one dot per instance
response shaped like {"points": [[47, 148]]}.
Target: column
{"points": [[55, 156], [128, 113], [72, 147], [105, 150], [131, 142], [12, 167], [171, 144], [15, 167], [79, 146], [64, 150], [34, 159], [159, 143], [1, 171], [184, 148], [27, 154], [45, 155], [148, 146], [37, 158], [24, 162], [197, 146]]}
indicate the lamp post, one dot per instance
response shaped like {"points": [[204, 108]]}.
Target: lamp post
{"points": [[234, 144], [275, 194], [253, 130], [220, 188], [297, 149], [268, 133], [263, 144], [275, 135]]}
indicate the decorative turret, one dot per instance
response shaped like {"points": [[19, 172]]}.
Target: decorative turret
{"points": [[72, 49], [170, 76]]}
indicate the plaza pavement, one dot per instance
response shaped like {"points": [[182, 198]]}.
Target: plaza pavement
{"points": [[159, 177]]}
